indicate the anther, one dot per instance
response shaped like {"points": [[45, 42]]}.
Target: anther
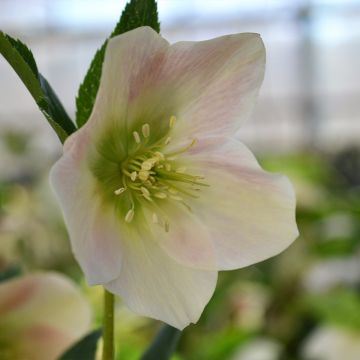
{"points": [[172, 121], [146, 130], [145, 191], [181, 169], [155, 218], [136, 137], [130, 215], [143, 175], [133, 175], [167, 141], [148, 164], [147, 197], [119, 191], [159, 155], [160, 195], [175, 197]]}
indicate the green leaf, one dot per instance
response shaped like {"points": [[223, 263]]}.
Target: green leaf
{"points": [[136, 13], [10, 272], [25, 53], [340, 307], [84, 349], [163, 345], [22, 61], [55, 109]]}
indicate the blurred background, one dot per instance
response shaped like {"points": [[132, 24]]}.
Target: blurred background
{"points": [[301, 305]]}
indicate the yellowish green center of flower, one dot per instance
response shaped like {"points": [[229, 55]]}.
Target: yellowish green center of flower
{"points": [[153, 176]]}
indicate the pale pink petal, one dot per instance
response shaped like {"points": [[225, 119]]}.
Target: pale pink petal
{"points": [[153, 284], [210, 86], [250, 213], [43, 314], [132, 60], [93, 228], [187, 240], [42, 343], [215, 82]]}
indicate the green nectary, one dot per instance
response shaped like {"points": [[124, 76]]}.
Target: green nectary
{"points": [[142, 171]]}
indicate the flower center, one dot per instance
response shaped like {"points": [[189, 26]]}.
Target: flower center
{"points": [[154, 175]]}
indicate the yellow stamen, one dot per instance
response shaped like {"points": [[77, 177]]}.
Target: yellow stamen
{"points": [[175, 197], [130, 215], [143, 175], [184, 149], [146, 165], [145, 191], [136, 137], [155, 218], [160, 195], [119, 191], [146, 130], [167, 141], [147, 197], [172, 121], [159, 155], [181, 169]]}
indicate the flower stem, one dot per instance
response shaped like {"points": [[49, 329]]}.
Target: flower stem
{"points": [[108, 326]]}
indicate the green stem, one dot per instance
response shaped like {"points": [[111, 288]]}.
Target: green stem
{"points": [[108, 326]]}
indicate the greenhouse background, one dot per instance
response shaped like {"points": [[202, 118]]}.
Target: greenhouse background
{"points": [[301, 305]]}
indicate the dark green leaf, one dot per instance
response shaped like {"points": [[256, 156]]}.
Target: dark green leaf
{"points": [[25, 53], [136, 13], [163, 345], [10, 272], [85, 349], [22, 61], [55, 107]]}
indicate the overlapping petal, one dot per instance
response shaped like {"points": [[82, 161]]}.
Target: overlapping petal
{"points": [[41, 315], [250, 213], [187, 240], [94, 229], [210, 85], [153, 284]]}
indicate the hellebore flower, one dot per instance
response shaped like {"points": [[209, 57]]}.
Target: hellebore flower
{"points": [[41, 315], [156, 197]]}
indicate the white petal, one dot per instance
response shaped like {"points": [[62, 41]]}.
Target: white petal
{"points": [[131, 59], [187, 240], [153, 284], [93, 229], [215, 82], [250, 213], [210, 86], [42, 311]]}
